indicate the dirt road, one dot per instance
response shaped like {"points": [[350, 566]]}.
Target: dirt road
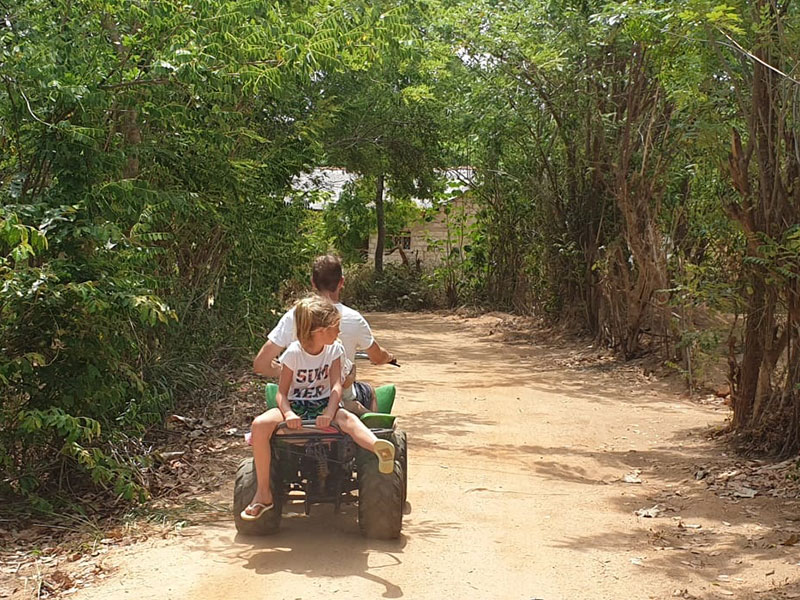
{"points": [[517, 458]]}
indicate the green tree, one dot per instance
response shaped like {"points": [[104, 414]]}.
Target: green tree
{"points": [[146, 150], [388, 127], [756, 46]]}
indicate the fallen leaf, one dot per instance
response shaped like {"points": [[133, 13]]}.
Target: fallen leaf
{"points": [[170, 455], [632, 478], [650, 513], [178, 419], [744, 492], [791, 540], [60, 579]]}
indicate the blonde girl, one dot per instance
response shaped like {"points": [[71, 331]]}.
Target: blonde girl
{"points": [[310, 387]]}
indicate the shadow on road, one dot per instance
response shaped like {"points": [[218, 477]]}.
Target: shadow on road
{"points": [[737, 536], [310, 552], [324, 547]]}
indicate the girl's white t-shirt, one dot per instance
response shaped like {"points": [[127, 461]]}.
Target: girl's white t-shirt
{"points": [[311, 372]]}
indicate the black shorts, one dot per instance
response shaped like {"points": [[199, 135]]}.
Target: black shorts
{"points": [[363, 393]]}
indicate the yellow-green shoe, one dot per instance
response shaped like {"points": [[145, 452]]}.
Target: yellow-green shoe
{"points": [[384, 450]]}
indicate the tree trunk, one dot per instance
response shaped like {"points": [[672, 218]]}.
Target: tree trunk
{"points": [[766, 403], [131, 131], [746, 378], [645, 150], [380, 242]]}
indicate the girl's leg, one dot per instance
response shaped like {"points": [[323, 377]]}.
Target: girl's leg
{"points": [[263, 427], [352, 426]]}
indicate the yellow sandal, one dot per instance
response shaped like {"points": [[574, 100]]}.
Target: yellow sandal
{"points": [[384, 450]]}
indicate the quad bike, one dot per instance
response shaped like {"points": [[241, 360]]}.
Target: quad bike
{"points": [[319, 466]]}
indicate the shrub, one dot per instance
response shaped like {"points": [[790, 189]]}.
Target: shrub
{"points": [[398, 288]]}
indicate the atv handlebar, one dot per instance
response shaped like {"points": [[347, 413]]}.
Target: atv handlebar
{"points": [[363, 355]]}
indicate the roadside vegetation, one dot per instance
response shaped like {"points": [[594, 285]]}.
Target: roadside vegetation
{"points": [[635, 166]]}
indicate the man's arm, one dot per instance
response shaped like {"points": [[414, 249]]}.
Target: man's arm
{"points": [[379, 356], [265, 362]]}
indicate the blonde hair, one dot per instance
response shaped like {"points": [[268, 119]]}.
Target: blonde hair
{"points": [[311, 313]]}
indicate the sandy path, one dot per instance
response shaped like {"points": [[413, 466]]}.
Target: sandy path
{"points": [[515, 464]]}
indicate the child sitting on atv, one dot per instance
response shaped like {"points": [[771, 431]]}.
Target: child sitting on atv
{"points": [[310, 387]]}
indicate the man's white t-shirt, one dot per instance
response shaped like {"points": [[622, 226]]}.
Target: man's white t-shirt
{"points": [[354, 331], [311, 372]]}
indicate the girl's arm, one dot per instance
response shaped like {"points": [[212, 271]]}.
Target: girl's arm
{"points": [[284, 383], [335, 374]]}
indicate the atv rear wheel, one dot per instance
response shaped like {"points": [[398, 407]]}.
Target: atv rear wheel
{"points": [[243, 491], [380, 497], [398, 438]]}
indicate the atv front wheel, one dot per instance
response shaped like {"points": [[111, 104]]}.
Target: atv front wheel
{"points": [[243, 491], [380, 498]]}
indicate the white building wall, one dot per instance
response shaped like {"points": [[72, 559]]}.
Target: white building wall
{"points": [[429, 239]]}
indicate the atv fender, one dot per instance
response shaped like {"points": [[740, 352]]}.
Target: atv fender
{"points": [[378, 420]]}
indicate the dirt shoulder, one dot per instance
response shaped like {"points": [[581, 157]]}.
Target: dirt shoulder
{"points": [[529, 459]]}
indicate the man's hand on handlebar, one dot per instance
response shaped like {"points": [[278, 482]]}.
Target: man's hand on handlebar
{"points": [[292, 420]]}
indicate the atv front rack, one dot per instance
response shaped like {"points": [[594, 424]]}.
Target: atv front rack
{"points": [[310, 432]]}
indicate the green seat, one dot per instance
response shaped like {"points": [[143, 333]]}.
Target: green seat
{"points": [[385, 395], [271, 392]]}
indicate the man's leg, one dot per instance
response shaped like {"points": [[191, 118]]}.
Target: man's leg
{"points": [[365, 394], [351, 402]]}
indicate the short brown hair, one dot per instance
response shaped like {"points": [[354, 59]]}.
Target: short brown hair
{"points": [[326, 273]]}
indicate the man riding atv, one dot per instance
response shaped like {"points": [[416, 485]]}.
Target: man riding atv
{"points": [[316, 463], [355, 334]]}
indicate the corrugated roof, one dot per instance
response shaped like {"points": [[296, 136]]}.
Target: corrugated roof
{"points": [[325, 185]]}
